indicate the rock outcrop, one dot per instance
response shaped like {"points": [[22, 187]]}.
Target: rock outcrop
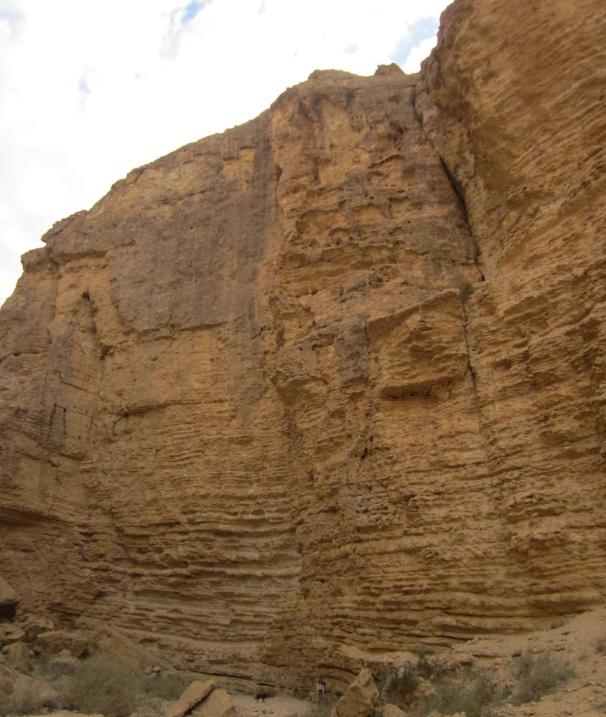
{"points": [[218, 704], [192, 696], [359, 699], [331, 384]]}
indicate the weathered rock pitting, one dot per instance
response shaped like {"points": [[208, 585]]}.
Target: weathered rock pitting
{"points": [[330, 384]]}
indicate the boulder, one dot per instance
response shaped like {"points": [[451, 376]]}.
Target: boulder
{"points": [[392, 711], [8, 600], [34, 625], [10, 632], [18, 657], [217, 704], [8, 676], [360, 698], [153, 670], [56, 641], [191, 696]]}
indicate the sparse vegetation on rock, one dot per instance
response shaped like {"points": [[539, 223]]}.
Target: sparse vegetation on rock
{"points": [[471, 693], [104, 684], [27, 696], [537, 675], [431, 687], [398, 687]]}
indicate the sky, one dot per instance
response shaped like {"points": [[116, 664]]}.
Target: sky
{"points": [[90, 89]]}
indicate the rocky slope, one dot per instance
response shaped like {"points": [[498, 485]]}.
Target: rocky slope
{"points": [[330, 385]]}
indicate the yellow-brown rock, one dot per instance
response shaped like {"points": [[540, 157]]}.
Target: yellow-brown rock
{"points": [[390, 710], [191, 696], [359, 699], [331, 384], [217, 704], [18, 656], [513, 100]]}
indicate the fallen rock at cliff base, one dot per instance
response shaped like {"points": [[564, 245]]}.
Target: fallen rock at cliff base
{"points": [[392, 711], [217, 704], [191, 696], [359, 699], [9, 632], [7, 676], [18, 656], [56, 641], [33, 626]]}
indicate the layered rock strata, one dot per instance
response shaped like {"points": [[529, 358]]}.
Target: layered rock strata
{"points": [[330, 385]]}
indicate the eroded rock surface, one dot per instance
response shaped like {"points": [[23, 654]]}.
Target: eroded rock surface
{"points": [[192, 696], [330, 384], [359, 699]]}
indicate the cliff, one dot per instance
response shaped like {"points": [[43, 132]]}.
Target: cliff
{"points": [[330, 385]]}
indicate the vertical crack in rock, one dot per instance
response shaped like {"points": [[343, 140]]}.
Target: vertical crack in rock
{"points": [[454, 183], [459, 193], [470, 366]]}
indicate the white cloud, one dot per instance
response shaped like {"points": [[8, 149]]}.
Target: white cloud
{"points": [[418, 54], [90, 90]]}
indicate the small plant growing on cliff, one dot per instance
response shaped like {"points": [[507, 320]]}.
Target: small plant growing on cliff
{"points": [[535, 676], [429, 669], [600, 647], [400, 686], [465, 290]]}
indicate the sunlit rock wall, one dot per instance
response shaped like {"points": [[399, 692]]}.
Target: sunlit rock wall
{"points": [[329, 385]]}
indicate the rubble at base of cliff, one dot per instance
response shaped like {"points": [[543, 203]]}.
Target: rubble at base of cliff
{"points": [[67, 672]]}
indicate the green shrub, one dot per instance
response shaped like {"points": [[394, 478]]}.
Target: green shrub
{"points": [[398, 687], [429, 669], [535, 676], [29, 696], [473, 693], [106, 685], [430, 686]]}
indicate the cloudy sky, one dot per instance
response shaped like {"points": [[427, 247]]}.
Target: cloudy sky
{"points": [[90, 89]]}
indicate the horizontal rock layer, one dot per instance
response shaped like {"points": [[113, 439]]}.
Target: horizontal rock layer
{"points": [[329, 385]]}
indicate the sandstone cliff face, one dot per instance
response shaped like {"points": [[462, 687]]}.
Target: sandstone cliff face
{"points": [[331, 384]]}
